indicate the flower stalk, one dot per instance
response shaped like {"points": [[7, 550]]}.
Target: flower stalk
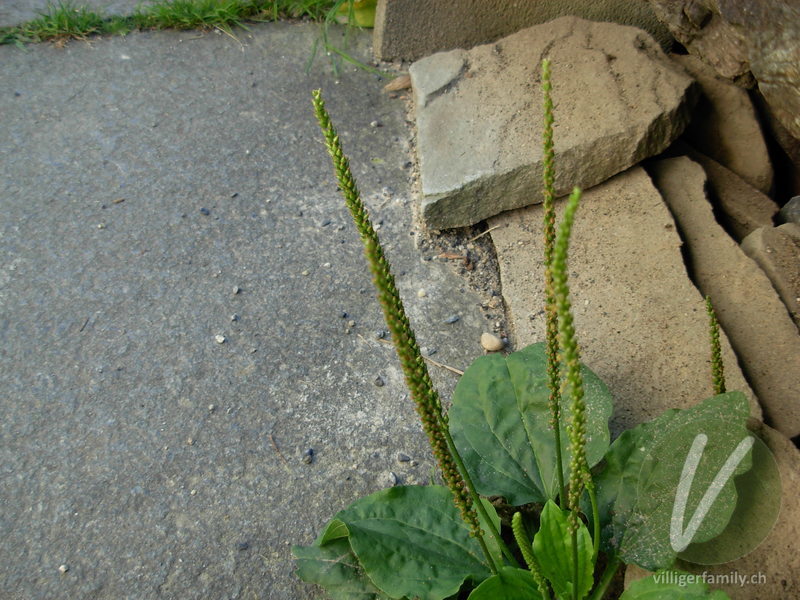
{"points": [[551, 311], [717, 368], [423, 393]]}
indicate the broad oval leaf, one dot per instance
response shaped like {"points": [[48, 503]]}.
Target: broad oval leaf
{"points": [[671, 585], [509, 584], [552, 546], [501, 425], [411, 541], [638, 483], [335, 568]]}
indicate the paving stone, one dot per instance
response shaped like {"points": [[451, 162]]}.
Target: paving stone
{"points": [[725, 127], [641, 323], [618, 99], [749, 310]]}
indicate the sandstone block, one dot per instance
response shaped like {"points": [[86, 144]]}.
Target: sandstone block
{"points": [[725, 127], [640, 321], [751, 313], [743, 208], [777, 252], [618, 99]]}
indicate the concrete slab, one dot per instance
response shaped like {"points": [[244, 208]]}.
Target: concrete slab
{"points": [[157, 191], [640, 321], [618, 99]]}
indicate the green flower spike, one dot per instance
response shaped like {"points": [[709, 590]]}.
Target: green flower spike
{"points": [[424, 395], [551, 311], [717, 368]]}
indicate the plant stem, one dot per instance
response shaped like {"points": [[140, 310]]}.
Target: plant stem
{"points": [[476, 501], [605, 579], [424, 395], [548, 203], [595, 521]]}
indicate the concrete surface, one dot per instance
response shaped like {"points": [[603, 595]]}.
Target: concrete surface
{"points": [[641, 323], [479, 113], [411, 29], [14, 12], [146, 458]]}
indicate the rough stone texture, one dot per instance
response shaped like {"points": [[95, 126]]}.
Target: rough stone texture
{"points": [[109, 360], [618, 100], [749, 310], [741, 207], [641, 323], [778, 556], [741, 36], [790, 212], [14, 12], [411, 29], [777, 252], [725, 127]]}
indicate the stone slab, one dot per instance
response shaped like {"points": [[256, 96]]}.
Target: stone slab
{"points": [[411, 29], [741, 207], [777, 252], [725, 126], [641, 323], [751, 313], [618, 99]]}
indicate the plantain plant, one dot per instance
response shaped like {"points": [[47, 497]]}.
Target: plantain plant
{"points": [[531, 427]]}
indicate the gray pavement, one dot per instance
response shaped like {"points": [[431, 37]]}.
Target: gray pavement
{"points": [[143, 180]]}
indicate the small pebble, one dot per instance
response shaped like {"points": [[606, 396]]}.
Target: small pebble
{"points": [[234, 317], [193, 493], [204, 211], [326, 265], [63, 569], [491, 343], [236, 290], [190, 441], [211, 408], [452, 319], [381, 334], [308, 456], [342, 315], [374, 123], [325, 223], [242, 546], [379, 381], [421, 293], [403, 457], [220, 339], [305, 272], [392, 479], [351, 323], [234, 194], [101, 225]]}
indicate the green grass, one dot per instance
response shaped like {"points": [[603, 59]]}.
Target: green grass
{"points": [[66, 19]]}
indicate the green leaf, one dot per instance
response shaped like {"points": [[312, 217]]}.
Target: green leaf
{"points": [[335, 568], [500, 423], [637, 486], [671, 585], [411, 541], [509, 584], [552, 546]]}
